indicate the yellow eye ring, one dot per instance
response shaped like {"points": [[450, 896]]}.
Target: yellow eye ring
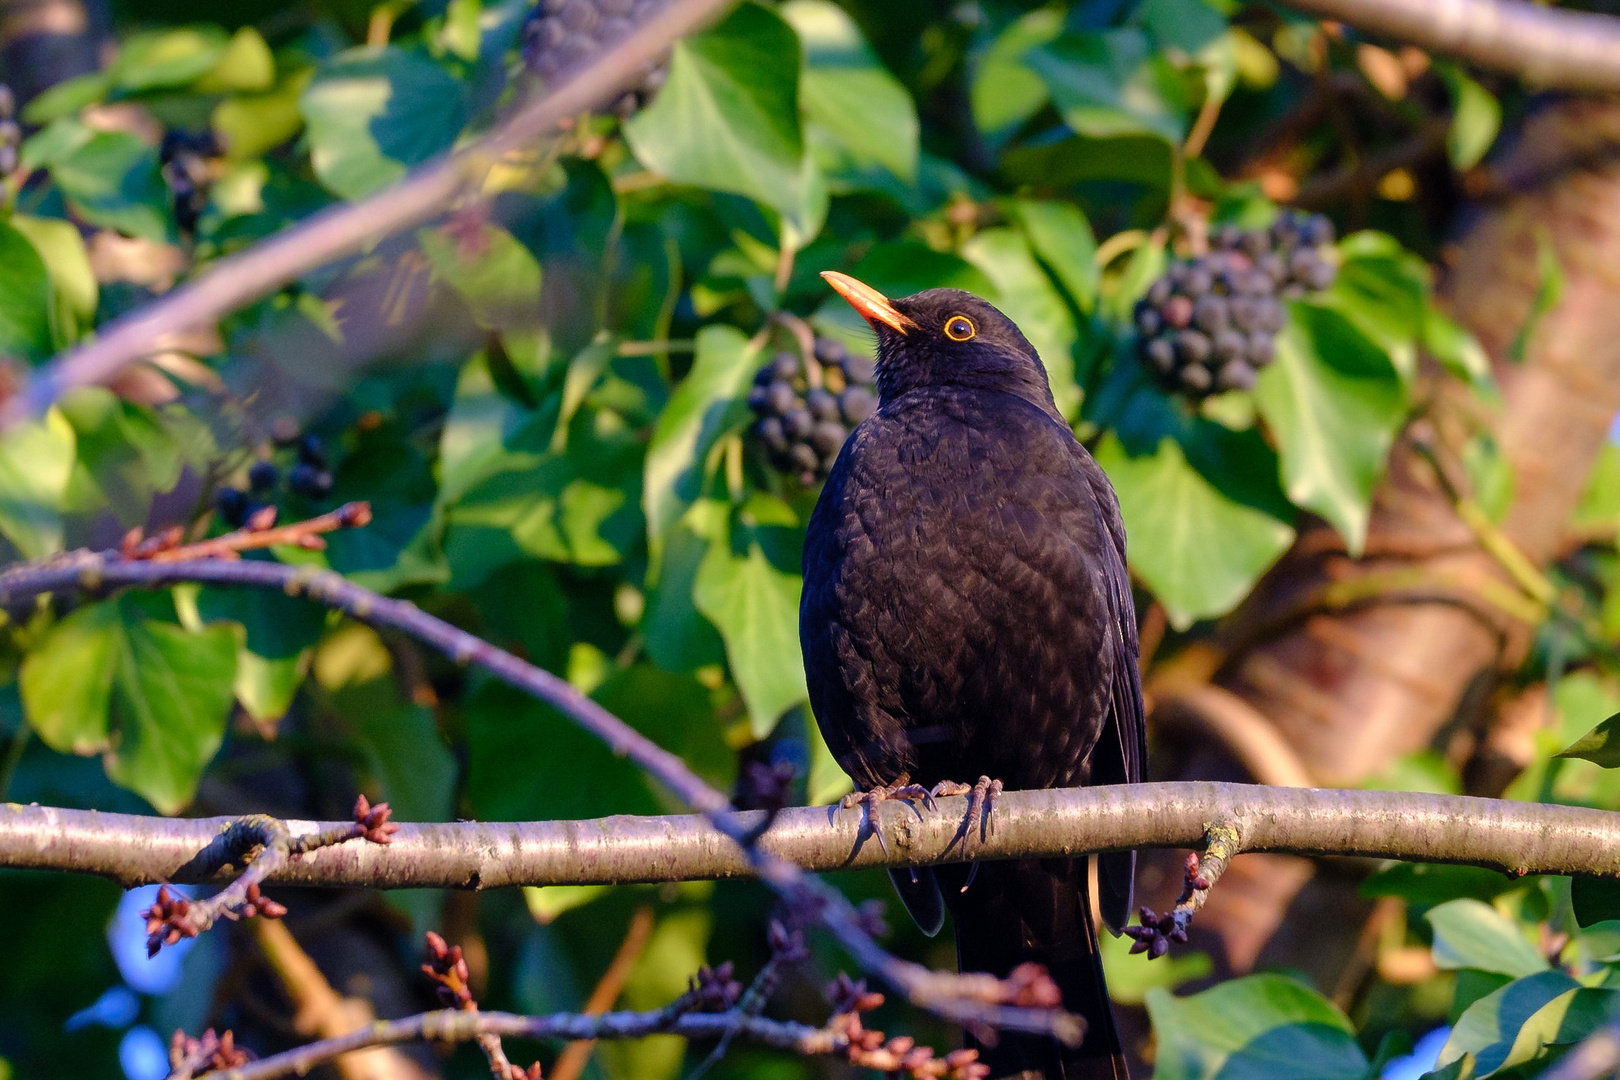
{"points": [[960, 328]]}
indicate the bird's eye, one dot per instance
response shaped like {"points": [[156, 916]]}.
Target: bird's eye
{"points": [[959, 328]]}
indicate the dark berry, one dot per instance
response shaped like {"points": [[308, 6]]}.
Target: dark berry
{"points": [[1192, 347], [797, 423], [1236, 375], [1159, 292], [803, 456], [1178, 311], [785, 367], [1161, 354], [1196, 377], [1262, 348], [823, 405], [310, 481], [1245, 311], [1270, 315], [830, 351], [759, 398], [232, 504], [828, 438], [1226, 237], [859, 369], [771, 434], [780, 398], [1148, 319], [1317, 231], [284, 431], [1209, 314], [1230, 345], [1199, 280], [311, 451], [856, 404], [263, 476]]}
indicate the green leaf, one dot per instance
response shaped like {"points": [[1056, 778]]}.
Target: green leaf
{"points": [[414, 772], [36, 462], [1186, 25], [157, 696], [1259, 1026], [754, 602], [1131, 975], [374, 113], [25, 297], [278, 633], [168, 58], [112, 180], [1476, 117], [1383, 290], [1472, 934], [1458, 351], [1490, 1026], [73, 283], [246, 66], [1427, 884], [1005, 91], [848, 93], [727, 117], [497, 276], [1063, 240], [250, 125], [828, 782], [1029, 298], [1599, 745], [1110, 83], [707, 404], [1334, 401], [676, 635], [1198, 548]]}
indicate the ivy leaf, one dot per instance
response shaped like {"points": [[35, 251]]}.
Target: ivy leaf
{"points": [[1383, 290], [168, 58], [1472, 934], [1599, 745], [754, 603], [1257, 1026], [727, 117], [1062, 238], [1110, 83], [157, 696], [25, 297], [36, 463], [1490, 1026], [1334, 401], [707, 404], [847, 93], [1476, 117], [1005, 91], [497, 276], [374, 113], [73, 287], [1200, 549], [1029, 299], [112, 180]]}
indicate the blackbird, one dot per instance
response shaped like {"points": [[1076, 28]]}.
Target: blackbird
{"points": [[966, 611]]}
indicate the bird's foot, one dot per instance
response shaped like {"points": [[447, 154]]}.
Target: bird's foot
{"points": [[982, 798], [892, 792]]}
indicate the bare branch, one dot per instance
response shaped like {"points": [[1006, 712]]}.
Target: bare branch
{"points": [[237, 280], [1515, 838], [1546, 47]]}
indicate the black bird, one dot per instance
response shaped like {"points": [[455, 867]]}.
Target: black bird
{"points": [[966, 611]]}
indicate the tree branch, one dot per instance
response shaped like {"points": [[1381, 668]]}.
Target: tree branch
{"points": [[237, 280], [1515, 838], [1546, 47]]}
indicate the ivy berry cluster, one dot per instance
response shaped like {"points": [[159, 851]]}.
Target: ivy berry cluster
{"points": [[188, 168], [805, 408], [308, 477], [1210, 323]]}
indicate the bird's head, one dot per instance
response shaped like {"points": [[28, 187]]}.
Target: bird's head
{"points": [[945, 337]]}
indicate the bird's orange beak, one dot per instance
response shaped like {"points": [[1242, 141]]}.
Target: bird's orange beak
{"points": [[873, 305]]}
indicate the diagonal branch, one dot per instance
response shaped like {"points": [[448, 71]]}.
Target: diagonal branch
{"points": [[237, 280]]}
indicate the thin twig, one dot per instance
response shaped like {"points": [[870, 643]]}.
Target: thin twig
{"points": [[237, 280], [571, 1062]]}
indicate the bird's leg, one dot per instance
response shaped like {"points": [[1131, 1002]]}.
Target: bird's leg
{"points": [[903, 792]]}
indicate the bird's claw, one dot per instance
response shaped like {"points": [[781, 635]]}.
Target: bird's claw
{"points": [[982, 798], [870, 799]]}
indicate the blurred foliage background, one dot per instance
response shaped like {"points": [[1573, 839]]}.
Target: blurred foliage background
{"points": [[545, 397]]}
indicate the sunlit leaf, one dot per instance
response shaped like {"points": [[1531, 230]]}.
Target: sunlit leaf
{"points": [[372, 114], [1334, 401], [1257, 1026], [1489, 1027], [850, 95], [1471, 934], [36, 462], [1109, 83], [1601, 744]]}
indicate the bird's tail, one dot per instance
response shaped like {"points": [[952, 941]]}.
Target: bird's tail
{"points": [[1037, 910]]}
